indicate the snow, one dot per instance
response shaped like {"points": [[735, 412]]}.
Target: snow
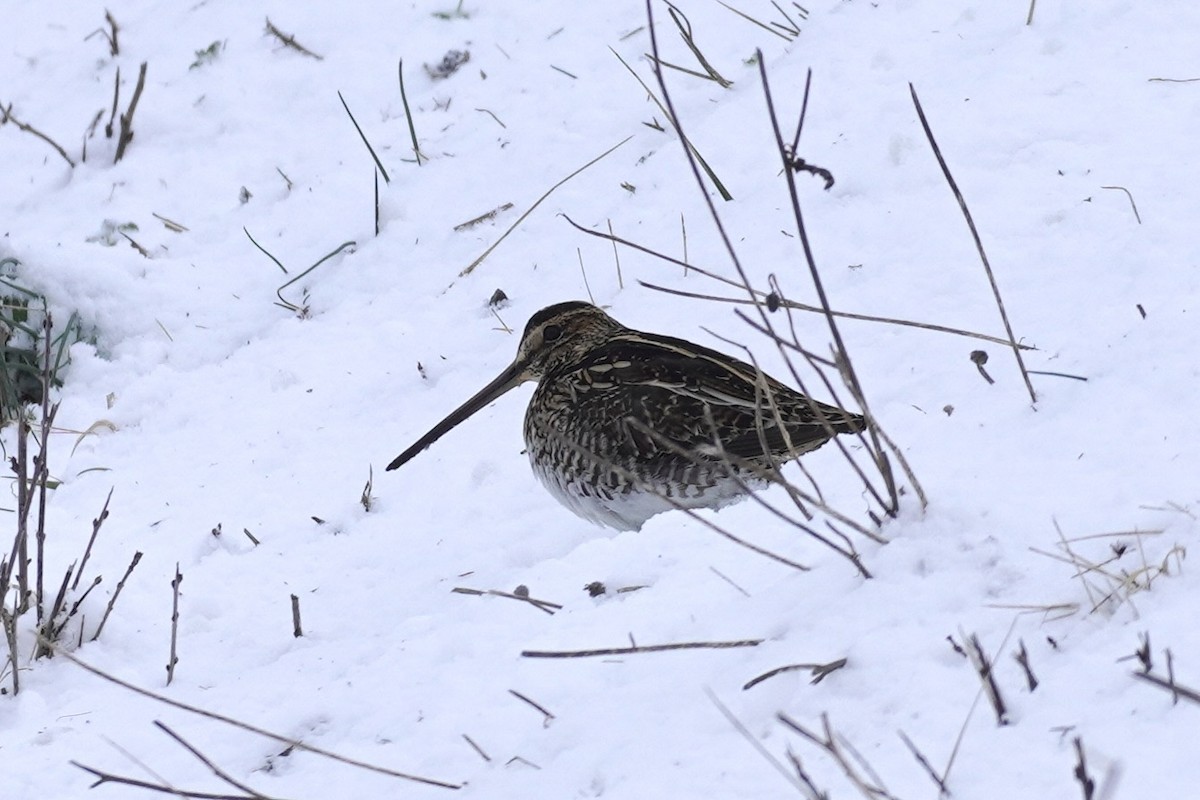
{"points": [[230, 410]]}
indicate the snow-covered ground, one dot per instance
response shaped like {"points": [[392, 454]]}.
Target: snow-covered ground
{"points": [[219, 407]]}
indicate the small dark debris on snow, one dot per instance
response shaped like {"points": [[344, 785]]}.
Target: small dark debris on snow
{"points": [[449, 65]]}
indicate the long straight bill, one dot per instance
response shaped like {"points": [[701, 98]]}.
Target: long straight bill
{"points": [[512, 376]]}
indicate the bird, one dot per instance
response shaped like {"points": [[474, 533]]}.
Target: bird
{"points": [[626, 424]]}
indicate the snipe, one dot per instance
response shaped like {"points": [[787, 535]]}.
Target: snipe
{"points": [[624, 422]]}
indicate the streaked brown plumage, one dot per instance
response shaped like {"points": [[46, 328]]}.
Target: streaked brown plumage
{"points": [[622, 420]]}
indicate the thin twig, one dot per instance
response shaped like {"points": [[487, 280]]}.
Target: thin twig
{"points": [[1136, 215], [412, 130], [10, 635], [169, 224], [1058, 375], [651, 648], [943, 791], [962, 204], [289, 41], [541, 605], [46, 628], [868, 785], [112, 116], [486, 217], [492, 114], [114, 48], [687, 143], [471, 267], [798, 306], [103, 777], [286, 740], [685, 31], [616, 256], [819, 672], [477, 748], [126, 134], [842, 353], [1022, 658], [206, 761], [745, 283], [57, 630], [337, 250], [546, 715], [20, 551], [756, 22], [264, 250], [803, 109], [112, 601], [760, 295], [962, 731], [754, 742], [42, 473], [1081, 774], [87, 551], [363, 136], [173, 660], [1170, 685], [6, 116], [983, 666], [583, 271]]}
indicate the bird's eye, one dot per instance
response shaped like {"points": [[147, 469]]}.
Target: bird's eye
{"points": [[551, 332]]}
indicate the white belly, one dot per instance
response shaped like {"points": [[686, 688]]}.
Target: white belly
{"points": [[629, 510]]}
